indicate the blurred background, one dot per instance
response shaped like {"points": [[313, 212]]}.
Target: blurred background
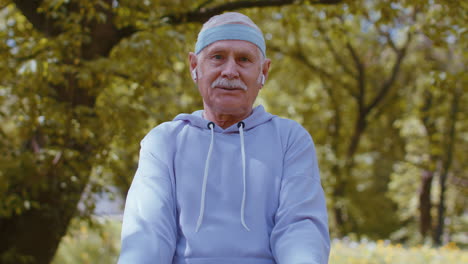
{"points": [[381, 86]]}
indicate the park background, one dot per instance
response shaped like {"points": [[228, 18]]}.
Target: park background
{"points": [[379, 84]]}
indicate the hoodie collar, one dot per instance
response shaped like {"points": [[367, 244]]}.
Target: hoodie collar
{"points": [[258, 117]]}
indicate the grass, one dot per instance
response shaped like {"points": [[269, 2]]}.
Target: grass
{"points": [[100, 243], [382, 252]]}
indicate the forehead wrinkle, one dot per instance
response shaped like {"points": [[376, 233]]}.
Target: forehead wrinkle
{"points": [[207, 50], [223, 46]]}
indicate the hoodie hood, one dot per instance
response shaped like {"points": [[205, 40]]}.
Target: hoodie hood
{"points": [[258, 117]]}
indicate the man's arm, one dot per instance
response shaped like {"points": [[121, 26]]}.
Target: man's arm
{"points": [[149, 230], [300, 234]]}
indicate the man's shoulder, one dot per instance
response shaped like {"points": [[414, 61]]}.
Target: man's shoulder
{"points": [[163, 132], [291, 130], [287, 124]]}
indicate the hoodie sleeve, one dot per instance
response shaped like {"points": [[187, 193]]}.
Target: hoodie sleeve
{"points": [[300, 234], [149, 225]]}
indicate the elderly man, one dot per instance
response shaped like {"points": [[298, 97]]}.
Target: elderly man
{"points": [[227, 184]]}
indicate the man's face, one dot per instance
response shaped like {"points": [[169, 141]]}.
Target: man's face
{"points": [[229, 76]]}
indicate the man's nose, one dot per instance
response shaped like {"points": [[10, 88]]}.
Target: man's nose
{"points": [[230, 70]]}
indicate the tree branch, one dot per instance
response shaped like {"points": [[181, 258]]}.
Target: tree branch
{"points": [[401, 53], [361, 77], [391, 98], [381, 32], [109, 32], [203, 14], [389, 39], [40, 21], [333, 51], [205, 3], [299, 56]]}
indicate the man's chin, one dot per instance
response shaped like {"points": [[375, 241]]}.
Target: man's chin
{"points": [[230, 108]]}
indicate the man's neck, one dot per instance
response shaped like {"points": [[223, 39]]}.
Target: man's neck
{"points": [[225, 120]]}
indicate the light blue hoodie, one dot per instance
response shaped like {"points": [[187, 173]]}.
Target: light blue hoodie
{"points": [[248, 194]]}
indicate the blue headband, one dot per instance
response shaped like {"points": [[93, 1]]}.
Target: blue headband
{"points": [[230, 32]]}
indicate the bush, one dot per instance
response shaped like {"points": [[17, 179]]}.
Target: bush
{"points": [[90, 242]]}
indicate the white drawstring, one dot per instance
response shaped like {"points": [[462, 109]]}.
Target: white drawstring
{"points": [[205, 177], [241, 125]]}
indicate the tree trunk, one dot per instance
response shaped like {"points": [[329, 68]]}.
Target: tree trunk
{"points": [[338, 211], [450, 145], [33, 235], [425, 205]]}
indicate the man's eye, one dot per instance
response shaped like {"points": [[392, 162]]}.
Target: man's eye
{"points": [[244, 59], [218, 57]]}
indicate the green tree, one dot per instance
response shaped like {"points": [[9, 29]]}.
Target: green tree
{"points": [[380, 85], [356, 73], [432, 126], [82, 81], [348, 77]]}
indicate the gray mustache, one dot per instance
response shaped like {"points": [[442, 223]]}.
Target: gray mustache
{"points": [[230, 84]]}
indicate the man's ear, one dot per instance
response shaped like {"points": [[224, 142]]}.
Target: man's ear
{"points": [[193, 65], [265, 70]]}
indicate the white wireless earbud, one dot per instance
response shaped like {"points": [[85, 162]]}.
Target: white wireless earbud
{"points": [[263, 79], [194, 74]]}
